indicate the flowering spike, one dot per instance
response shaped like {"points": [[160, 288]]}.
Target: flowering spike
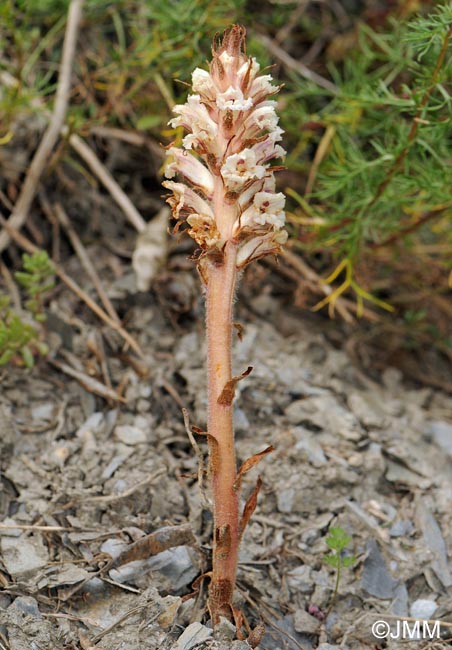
{"points": [[232, 134]]}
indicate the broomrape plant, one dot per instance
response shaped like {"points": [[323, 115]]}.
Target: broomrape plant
{"points": [[227, 198]]}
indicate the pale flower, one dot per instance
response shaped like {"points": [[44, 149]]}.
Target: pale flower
{"points": [[184, 199], [233, 100], [241, 168], [266, 208], [194, 117], [202, 83], [191, 168]]}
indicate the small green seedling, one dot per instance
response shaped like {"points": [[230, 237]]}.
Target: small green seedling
{"points": [[37, 279], [18, 337], [337, 541]]}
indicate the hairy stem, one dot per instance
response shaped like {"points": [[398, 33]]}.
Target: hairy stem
{"points": [[221, 279]]}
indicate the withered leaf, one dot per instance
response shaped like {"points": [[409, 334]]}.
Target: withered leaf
{"points": [[240, 329], [228, 392], [250, 506], [250, 463], [160, 540]]}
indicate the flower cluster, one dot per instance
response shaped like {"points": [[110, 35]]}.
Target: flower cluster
{"points": [[227, 188]]}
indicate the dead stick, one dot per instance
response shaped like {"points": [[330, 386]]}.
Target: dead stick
{"points": [[38, 164], [85, 260], [102, 173], [27, 245]]}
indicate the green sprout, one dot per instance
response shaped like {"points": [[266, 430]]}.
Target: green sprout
{"points": [[37, 279], [19, 338], [337, 541]]}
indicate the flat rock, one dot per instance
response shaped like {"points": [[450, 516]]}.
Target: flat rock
{"points": [[304, 622], [423, 609], [376, 579], [434, 541], [441, 432], [130, 435], [192, 637], [23, 555]]}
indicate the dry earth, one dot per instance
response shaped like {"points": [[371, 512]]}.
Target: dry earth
{"points": [[104, 527]]}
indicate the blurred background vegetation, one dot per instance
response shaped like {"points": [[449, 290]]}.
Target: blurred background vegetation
{"points": [[366, 108]]}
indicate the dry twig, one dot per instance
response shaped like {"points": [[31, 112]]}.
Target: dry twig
{"points": [[27, 245], [38, 164], [296, 66], [85, 261], [102, 173]]}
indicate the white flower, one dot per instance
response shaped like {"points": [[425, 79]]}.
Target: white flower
{"points": [[252, 65], [267, 149], [227, 60], [184, 198], [263, 117], [202, 82], [241, 168], [259, 246], [261, 87], [233, 99], [195, 117], [191, 168], [204, 230], [266, 208], [266, 184]]}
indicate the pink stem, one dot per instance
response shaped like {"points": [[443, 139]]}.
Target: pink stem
{"points": [[221, 279]]}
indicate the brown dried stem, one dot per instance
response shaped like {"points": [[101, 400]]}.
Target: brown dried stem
{"points": [[41, 157]]}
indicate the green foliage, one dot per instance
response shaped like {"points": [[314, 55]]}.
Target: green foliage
{"points": [[391, 151], [337, 541], [19, 338], [37, 279], [15, 335]]}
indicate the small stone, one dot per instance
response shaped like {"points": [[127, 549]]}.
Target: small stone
{"points": [[26, 605], [304, 622], [355, 460], [299, 579], [399, 606], [285, 499], [42, 411], [192, 637], [423, 609], [401, 528], [368, 410], [307, 442], [225, 630], [130, 435], [91, 424], [376, 579], [23, 555], [441, 432]]}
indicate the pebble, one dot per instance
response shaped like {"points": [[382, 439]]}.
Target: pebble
{"points": [[304, 622], [423, 609], [192, 637], [23, 555], [376, 579], [130, 435], [299, 579], [27, 605], [441, 432]]}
